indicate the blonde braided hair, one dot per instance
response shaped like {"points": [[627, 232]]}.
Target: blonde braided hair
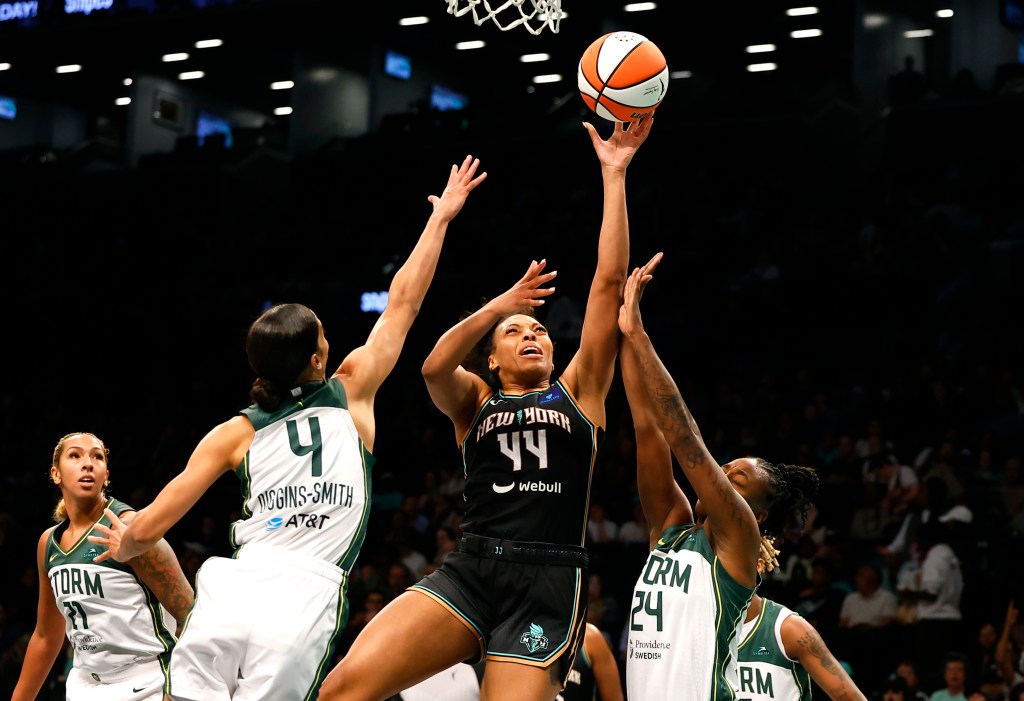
{"points": [[769, 554]]}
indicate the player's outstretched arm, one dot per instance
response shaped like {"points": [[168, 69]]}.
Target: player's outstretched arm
{"points": [[365, 368], [221, 450], [803, 644], [589, 374], [664, 503], [736, 532]]}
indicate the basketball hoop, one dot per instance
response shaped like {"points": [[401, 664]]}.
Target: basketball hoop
{"points": [[534, 15]]}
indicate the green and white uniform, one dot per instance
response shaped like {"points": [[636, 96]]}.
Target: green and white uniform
{"points": [[766, 673], [121, 635], [265, 622], [684, 622]]}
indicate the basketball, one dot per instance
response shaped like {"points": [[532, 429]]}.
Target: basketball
{"points": [[623, 76]]}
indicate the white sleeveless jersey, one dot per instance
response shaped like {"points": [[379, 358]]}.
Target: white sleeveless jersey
{"points": [[111, 618], [766, 673], [306, 478], [684, 623]]}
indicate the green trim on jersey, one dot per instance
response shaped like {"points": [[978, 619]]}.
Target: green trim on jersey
{"points": [[763, 646], [313, 394], [348, 560], [731, 598], [55, 556]]}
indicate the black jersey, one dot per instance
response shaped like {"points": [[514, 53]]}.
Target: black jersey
{"points": [[529, 460], [581, 684]]}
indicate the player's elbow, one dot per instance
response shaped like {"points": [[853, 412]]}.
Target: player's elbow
{"points": [[433, 370]]}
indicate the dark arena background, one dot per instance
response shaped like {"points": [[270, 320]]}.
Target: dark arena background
{"points": [[842, 285]]}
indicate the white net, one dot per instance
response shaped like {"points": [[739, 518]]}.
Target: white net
{"points": [[534, 15]]}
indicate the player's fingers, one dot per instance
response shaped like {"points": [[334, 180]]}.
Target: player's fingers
{"points": [[477, 180], [105, 555]]}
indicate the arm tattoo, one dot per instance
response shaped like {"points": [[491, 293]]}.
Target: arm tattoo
{"points": [[670, 410], [838, 687], [159, 568]]}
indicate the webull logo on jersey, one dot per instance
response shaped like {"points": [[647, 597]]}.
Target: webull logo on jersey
{"points": [[534, 639], [534, 486]]}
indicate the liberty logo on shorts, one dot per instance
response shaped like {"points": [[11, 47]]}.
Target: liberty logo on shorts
{"points": [[534, 639], [274, 523]]}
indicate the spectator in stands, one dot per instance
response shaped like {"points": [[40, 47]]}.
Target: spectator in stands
{"points": [[907, 670], [954, 675], [938, 613], [869, 605], [865, 615]]}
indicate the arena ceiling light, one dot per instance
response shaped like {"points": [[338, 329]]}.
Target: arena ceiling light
{"points": [[640, 6], [673, 75], [761, 67], [467, 45], [412, 21], [191, 75], [801, 11], [917, 33], [69, 68], [5, 66], [760, 48], [209, 43], [944, 13], [282, 111], [548, 78], [170, 58], [805, 33], [126, 82], [282, 85], [123, 101], [534, 58]]}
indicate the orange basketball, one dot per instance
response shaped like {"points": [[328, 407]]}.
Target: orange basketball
{"points": [[623, 76]]}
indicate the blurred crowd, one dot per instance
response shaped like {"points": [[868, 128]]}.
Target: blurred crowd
{"points": [[861, 317]]}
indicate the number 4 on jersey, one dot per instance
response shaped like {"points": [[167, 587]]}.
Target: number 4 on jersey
{"points": [[316, 446]]}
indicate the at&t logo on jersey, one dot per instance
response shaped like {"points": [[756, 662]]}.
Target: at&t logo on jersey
{"points": [[275, 523], [534, 639]]}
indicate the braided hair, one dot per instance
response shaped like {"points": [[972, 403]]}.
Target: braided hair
{"points": [[790, 495]]}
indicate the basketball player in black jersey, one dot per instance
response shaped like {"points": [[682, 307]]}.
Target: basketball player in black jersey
{"points": [[515, 589], [595, 673]]}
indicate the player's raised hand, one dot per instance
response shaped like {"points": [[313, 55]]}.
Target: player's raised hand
{"points": [[630, 321], [111, 537], [461, 181], [617, 150], [529, 291]]}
